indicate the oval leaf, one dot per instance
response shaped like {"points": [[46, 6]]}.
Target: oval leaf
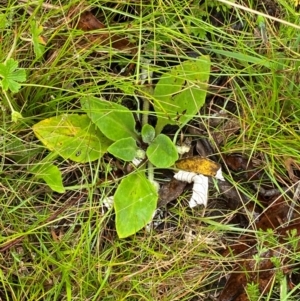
{"points": [[72, 137], [180, 93], [124, 149], [114, 121], [148, 133], [162, 152], [134, 202]]}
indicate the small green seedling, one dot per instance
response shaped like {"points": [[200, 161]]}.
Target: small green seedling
{"points": [[261, 23], [37, 40], [10, 78], [110, 127]]}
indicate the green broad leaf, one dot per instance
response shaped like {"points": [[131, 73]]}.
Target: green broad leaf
{"points": [[162, 152], [181, 92], [148, 133], [114, 121], [72, 137], [51, 175], [37, 39], [124, 149], [134, 202], [11, 76]]}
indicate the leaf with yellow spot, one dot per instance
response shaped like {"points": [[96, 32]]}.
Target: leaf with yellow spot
{"points": [[72, 137]]}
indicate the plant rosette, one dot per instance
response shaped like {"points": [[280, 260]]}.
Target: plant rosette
{"points": [[110, 127]]}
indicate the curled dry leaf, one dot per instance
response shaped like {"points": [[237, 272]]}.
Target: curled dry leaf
{"points": [[240, 163], [292, 165], [170, 191], [252, 169], [249, 270], [204, 148], [259, 270], [88, 22], [237, 199], [262, 271]]}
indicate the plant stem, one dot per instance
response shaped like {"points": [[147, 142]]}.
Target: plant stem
{"points": [[145, 115], [8, 101], [146, 106]]}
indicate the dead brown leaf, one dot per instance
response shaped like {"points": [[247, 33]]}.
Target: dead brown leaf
{"points": [[88, 22], [251, 270], [170, 191], [290, 165]]}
